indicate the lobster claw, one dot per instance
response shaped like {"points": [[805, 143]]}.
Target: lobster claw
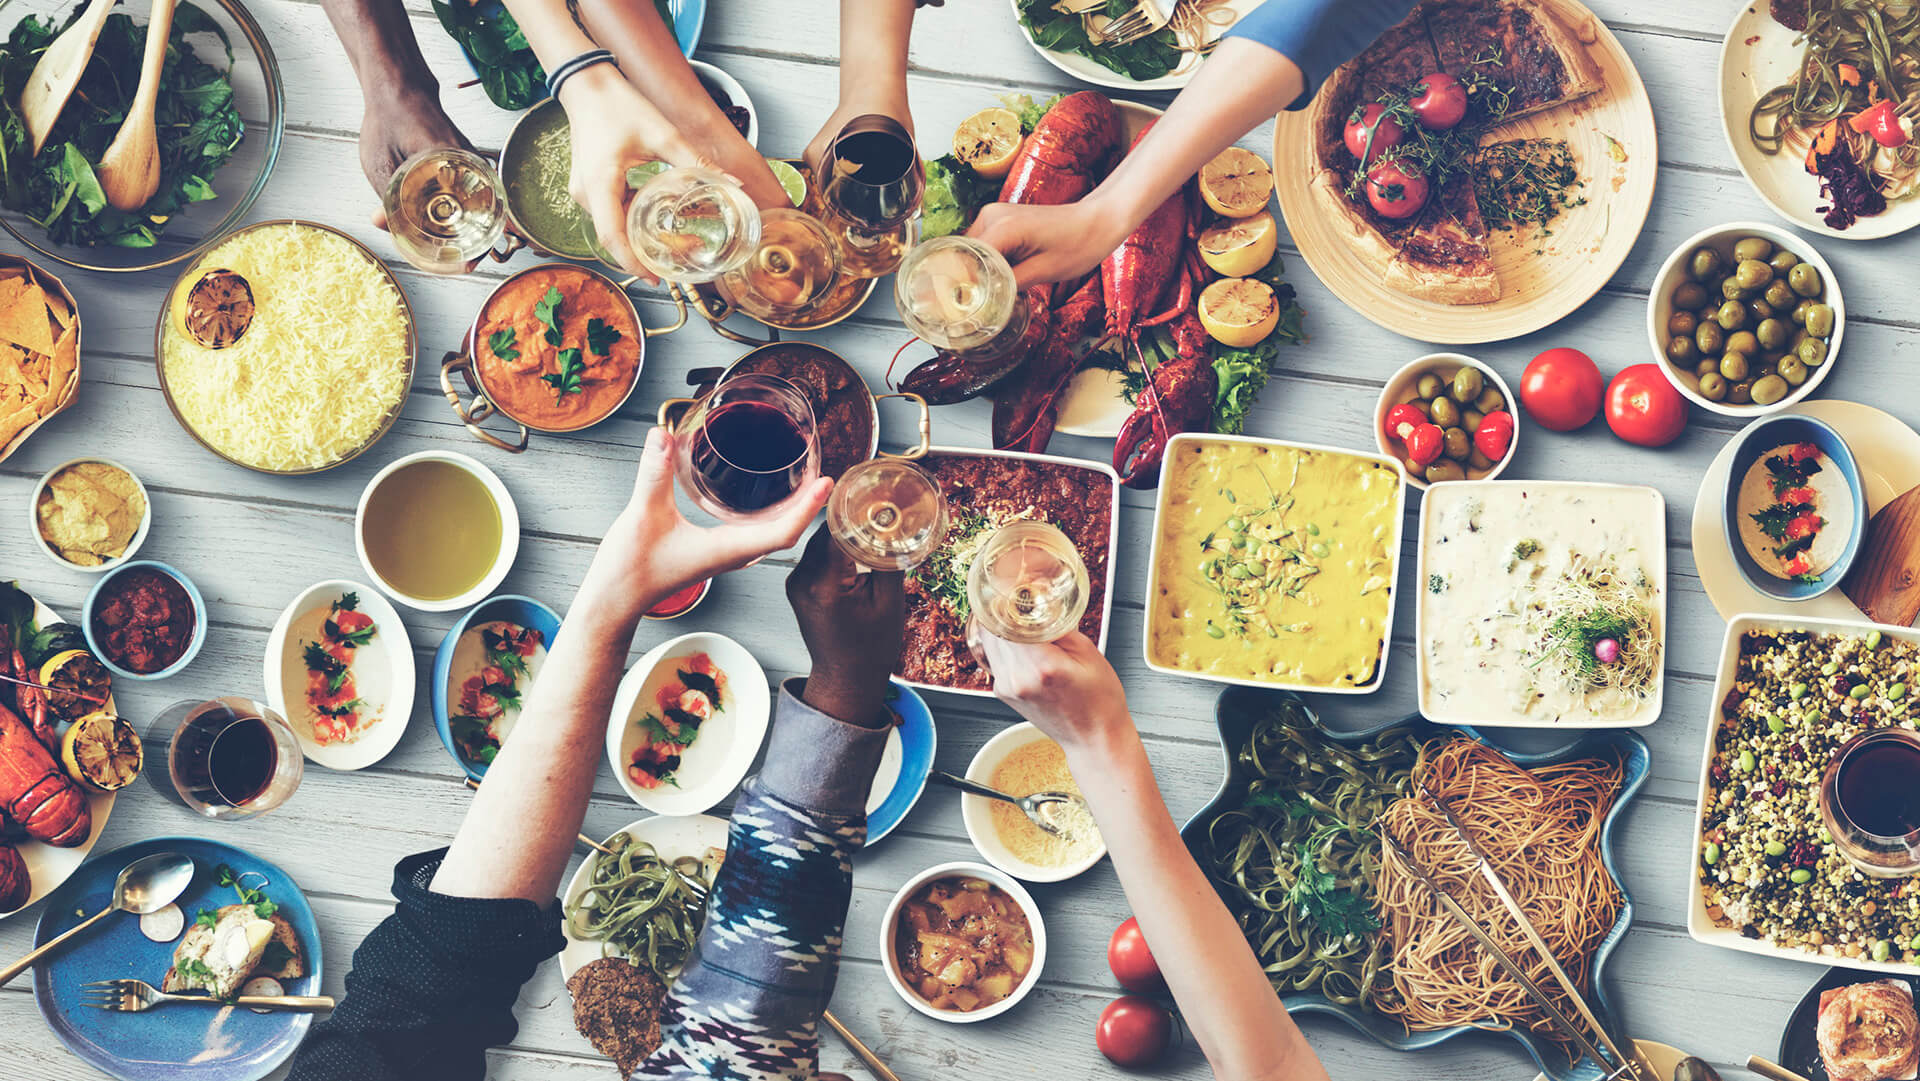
{"points": [[1138, 448]]}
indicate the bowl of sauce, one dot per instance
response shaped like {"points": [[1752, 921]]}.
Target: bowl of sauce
{"points": [[1022, 761], [679, 603], [962, 942], [144, 620], [1795, 507], [436, 530]]}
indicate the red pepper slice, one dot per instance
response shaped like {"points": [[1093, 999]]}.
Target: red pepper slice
{"points": [[1881, 121]]}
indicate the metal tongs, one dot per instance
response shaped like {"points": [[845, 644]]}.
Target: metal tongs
{"points": [[1619, 1066]]}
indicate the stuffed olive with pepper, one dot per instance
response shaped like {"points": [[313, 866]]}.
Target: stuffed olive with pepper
{"points": [[1453, 425], [1749, 322]]}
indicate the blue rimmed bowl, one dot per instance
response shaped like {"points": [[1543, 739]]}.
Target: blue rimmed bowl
{"points": [[512, 607], [199, 619], [902, 775], [1757, 439], [1235, 713]]}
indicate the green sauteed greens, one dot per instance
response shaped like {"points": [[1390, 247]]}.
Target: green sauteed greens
{"points": [[1151, 57], [199, 130]]}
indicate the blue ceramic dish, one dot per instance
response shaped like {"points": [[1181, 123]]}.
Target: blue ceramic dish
{"points": [[689, 19], [1761, 437], [524, 611], [175, 1043], [199, 620], [917, 744], [1235, 713]]}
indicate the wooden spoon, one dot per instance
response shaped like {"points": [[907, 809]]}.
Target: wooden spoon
{"points": [[1885, 580], [59, 71], [129, 171]]}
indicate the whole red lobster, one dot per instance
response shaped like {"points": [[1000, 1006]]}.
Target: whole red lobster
{"points": [[30, 701], [33, 790]]}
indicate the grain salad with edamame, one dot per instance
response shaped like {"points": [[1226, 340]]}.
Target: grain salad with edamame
{"points": [[1768, 868]]}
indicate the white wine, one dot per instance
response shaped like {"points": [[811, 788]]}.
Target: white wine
{"points": [[1028, 584], [887, 514], [958, 295], [445, 208], [796, 266], [692, 225]]}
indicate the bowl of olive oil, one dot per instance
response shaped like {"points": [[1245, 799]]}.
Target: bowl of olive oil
{"points": [[436, 530]]}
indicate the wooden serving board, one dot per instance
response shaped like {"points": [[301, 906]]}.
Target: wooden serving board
{"points": [[1885, 583], [1587, 245]]}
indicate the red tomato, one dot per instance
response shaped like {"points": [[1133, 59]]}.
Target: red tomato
{"points": [[1402, 419], [1798, 565], [1130, 959], [1441, 103], [1366, 123], [1797, 496], [1806, 525], [1394, 192], [1803, 451], [1561, 389], [1495, 434], [1425, 443], [1133, 1031], [1643, 408]]}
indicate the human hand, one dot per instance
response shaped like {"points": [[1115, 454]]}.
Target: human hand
{"points": [[852, 621], [1049, 243], [1066, 688], [396, 127], [652, 551]]}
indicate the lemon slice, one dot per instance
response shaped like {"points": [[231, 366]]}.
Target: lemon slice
{"points": [[1236, 184], [988, 141], [1239, 312], [77, 684], [101, 750], [790, 180], [1241, 246]]}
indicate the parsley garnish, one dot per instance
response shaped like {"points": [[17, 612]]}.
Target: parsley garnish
{"points": [[206, 918], [1436, 583], [566, 381], [1787, 473], [547, 310], [1773, 520], [1335, 910], [319, 660], [502, 344], [601, 336]]}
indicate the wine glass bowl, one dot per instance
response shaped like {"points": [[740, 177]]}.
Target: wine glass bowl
{"points": [[747, 447], [228, 758], [445, 207], [692, 225], [887, 514], [958, 295], [1028, 585], [793, 270], [1869, 802], [870, 185]]}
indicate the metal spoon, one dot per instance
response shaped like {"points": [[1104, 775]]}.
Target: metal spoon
{"points": [[149, 884], [1030, 804], [1695, 1068], [129, 172]]}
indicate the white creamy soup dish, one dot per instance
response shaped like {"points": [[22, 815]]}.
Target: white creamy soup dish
{"points": [[1542, 604]]}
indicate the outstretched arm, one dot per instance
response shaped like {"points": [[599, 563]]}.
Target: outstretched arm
{"points": [[1069, 691], [873, 67]]}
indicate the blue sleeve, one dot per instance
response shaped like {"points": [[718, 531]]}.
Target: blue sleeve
{"points": [[1319, 35]]}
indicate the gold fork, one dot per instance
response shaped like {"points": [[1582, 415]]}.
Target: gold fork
{"points": [[138, 996], [1147, 17]]}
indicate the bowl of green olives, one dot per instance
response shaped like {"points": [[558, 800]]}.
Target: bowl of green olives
{"points": [[1746, 319], [1447, 417]]}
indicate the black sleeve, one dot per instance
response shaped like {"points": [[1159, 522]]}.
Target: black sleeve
{"points": [[431, 988]]}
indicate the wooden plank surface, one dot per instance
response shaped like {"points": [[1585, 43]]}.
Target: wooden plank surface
{"points": [[252, 541]]}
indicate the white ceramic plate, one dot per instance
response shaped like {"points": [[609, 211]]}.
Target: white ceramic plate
{"points": [[1888, 454], [672, 837], [1484, 715], [388, 653], [1758, 55], [976, 812], [1393, 546], [728, 742], [1094, 404], [47, 866], [1087, 71], [1699, 925]]}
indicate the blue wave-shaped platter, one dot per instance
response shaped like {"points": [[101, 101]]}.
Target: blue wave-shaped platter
{"points": [[1234, 715]]}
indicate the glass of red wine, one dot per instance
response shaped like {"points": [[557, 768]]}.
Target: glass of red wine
{"points": [[228, 758], [1870, 802], [748, 447], [871, 173]]}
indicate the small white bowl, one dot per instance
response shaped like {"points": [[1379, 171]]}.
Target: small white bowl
{"points": [[286, 691], [1674, 271], [890, 958], [509, 532], [1400, 387], [976, 812], [139, 534], [728, 743], [709, 73]]}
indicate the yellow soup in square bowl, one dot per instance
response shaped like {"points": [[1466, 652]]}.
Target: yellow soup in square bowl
{"points": [[1273, 563]]}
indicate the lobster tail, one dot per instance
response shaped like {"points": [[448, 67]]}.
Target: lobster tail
{"points": [[34, 792]]}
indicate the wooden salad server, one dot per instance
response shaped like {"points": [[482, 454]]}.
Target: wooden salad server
{"points": [[1885, 580], [59, 71], [129, 171]]}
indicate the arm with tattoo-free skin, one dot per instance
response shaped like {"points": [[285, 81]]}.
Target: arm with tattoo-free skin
{"points": [[873, 67], [1070, 692]]}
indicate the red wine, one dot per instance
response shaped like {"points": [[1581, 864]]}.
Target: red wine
{"points": [[750, 455], [880, 157], [1879, 786], [223, 757]]}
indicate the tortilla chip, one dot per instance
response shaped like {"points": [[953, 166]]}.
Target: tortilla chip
{"points": [[11, 425], [23, 319], [90, 511], [63, 366], [58, 310]]}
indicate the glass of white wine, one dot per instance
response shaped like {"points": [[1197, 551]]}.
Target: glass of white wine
{"points": [[445, 208], [958, 295], [1028, 584], [887, 514], [692, 225], [795, 267]]}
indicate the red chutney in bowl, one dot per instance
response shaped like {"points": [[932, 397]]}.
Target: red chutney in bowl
{"points": [[144, 620]]}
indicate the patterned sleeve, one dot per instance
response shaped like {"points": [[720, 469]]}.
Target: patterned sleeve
{"points": [[749, 1001], [1319, 35]]}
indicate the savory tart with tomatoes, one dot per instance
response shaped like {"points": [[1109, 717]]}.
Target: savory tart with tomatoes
{"points": [[1409, 148]]}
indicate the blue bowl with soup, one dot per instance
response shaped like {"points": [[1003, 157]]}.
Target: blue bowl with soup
{"points": [[482, 669], [1795, 508]]}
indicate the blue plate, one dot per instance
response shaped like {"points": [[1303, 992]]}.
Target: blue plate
{"points": [[1235, 713], [917, 743], [524, 611], [689, 19], [1761, 437], [171, 1043]]}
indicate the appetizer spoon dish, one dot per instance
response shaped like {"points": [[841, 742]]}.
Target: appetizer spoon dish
{"points": [[1753, 445], [1031, 805], [147, 885]]}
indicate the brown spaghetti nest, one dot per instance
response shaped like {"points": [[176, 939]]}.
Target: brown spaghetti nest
{"points": [[1541, 831]]}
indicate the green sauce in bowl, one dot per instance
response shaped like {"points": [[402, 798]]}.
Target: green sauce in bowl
{"points": [[534, 167]]}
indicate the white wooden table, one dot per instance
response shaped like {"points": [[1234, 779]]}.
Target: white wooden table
{"points": [[252, 541]]}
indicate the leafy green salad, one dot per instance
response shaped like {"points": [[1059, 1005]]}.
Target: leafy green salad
{"points": [[199, 130], [1151, 57]]}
